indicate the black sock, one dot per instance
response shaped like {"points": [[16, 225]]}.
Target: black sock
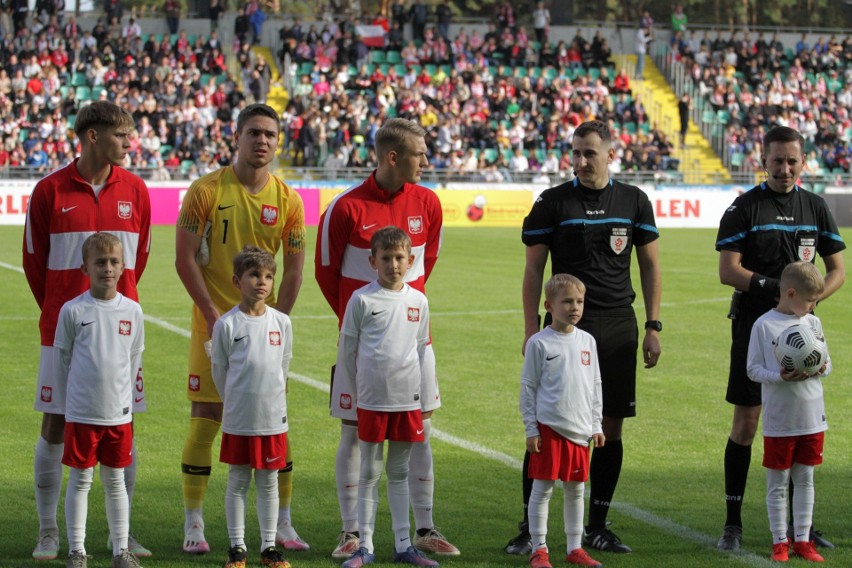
{"points": [[737, 462], [604, 472], [527, 487]]}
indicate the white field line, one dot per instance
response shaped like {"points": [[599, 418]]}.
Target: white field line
{"points": [[647, 517]]}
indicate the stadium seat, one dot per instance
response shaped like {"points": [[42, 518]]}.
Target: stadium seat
{"points": [[83, 93], [708, 116], [306, 68], [723, 116], [165, 149], [185, 166], [72, 120], [96, 92], [377, 56], [491, 155], [737, 159], [393, 57], [79, 79]]}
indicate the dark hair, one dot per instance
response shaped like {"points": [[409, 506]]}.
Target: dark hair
{"points": [[100, 242], [100, 115], [594, 127], [257, 109], [389, 237], [782, 134], [253, 257]]}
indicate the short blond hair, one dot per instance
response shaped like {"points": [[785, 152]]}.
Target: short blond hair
{"points": [[560, 282], [101, 242], [389, 237], [395, 134], [804, 277]]}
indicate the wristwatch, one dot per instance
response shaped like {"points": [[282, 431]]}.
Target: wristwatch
{"points": [[656, 325]]}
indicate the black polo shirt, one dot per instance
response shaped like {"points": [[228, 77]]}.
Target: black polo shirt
{"points": [[591, 234]]}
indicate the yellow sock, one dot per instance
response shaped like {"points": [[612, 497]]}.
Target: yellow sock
{"points": [[196, 460], [285, 486]]}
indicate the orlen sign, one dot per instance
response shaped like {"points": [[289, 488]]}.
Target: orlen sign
{"points": [[14, 199], [690, 208]]}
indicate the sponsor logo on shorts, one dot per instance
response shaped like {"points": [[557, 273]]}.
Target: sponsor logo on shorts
{"points": [[413, 314], [47, 394], [585, 358], [346, 401], [415, 225], [275, 338], [269, 215], [194, 383], [124, 327]]}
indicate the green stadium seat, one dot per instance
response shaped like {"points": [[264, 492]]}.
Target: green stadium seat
{"points": [[377, 56], [79, 79], [83, 94], [185, 166], [708, 116], [491, 155], [393, 57], [72, 120], [723, 116], [306, 68], [96, 92], [165, 149], [737, 159]]}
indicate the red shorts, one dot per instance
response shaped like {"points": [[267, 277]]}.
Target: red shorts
{"points": [[86, 445], [782, 452], [259, 452], [559, 458], [377, 426]]}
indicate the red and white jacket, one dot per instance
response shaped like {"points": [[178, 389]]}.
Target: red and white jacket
{"points": [[343, 238], [63, 211]]}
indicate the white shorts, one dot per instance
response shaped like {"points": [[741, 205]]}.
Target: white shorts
{"points": [[344, 403], [50, 396]]}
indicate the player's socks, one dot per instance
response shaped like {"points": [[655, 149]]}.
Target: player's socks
{"points": [[803, 501], [47, 471], [266, 485], [239, 479], [77, 506], [117, 509], [368, 501], [421, 480], [397, 489], [197, 459], [572, 514], [737, 462], [130, 478], [538, 511], [346, 467], [604, 471]]}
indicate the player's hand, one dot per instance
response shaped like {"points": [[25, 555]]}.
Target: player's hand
{"points": [[210, 317], [794, 376], [651, 348], [534, 444], [598, 440], [526, 339]]}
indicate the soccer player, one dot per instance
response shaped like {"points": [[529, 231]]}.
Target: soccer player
{"points": [[390, 196], [91, 194], [794, 423], [238, 205], [250, 354], [771, 225], [561, 403], [98, 346], [381, 374], [589, 227]]}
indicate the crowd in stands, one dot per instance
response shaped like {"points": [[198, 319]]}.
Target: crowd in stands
{"points": [[496, 104], [750, 82]]}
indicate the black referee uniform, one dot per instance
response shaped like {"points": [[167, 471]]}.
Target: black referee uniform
{"points": [[591, 234], [770, 230]]}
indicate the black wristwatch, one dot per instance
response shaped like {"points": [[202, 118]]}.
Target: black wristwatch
{"points": [[656, 325]]}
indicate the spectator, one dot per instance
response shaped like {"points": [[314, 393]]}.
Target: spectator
{"points": [[643, 39], [214, 13], [445, 16], [679, 19], [541, 22], [172, 10], [419, 15]]}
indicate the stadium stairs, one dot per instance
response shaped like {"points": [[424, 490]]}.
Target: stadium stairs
{"points": [[661, 105], [277, 97]]}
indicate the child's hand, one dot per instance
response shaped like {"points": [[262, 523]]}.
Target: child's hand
{"points": [[821, 370], [793, 376], [598, 440], [534, 444]]}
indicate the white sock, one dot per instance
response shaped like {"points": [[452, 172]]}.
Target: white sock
{"points": [[421, 480], [130, 477], [266, 485], [776, 503], [803, 500], [193, 517], [572, 514], [285, 523], [346, 469], [47, 471], [368, 491], [537, 511], [399, 454], [239, 479], [117, 510], [77, 506]]}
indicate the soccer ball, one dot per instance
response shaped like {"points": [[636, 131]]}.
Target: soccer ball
{"points": [[798, 348]]}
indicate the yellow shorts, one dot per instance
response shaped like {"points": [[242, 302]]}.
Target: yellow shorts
{"points": [[199, 385]]}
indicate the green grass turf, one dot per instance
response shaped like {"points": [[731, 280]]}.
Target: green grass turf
{"points": [[669, 505]]}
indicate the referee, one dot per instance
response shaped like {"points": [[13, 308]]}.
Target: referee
{"points": [[765, 229], [589, 227]]}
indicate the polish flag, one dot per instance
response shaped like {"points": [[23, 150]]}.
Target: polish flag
{"points": [[372, 36]]}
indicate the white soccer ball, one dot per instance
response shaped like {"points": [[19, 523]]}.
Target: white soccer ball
{"points": [[798, 348]]}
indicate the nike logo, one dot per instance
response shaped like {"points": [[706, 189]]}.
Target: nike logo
{"points": [[40, 486], [240, 338], [85, 323], [378, 312], [270, 460], [67, 209], [223, 207], [420, 431], [552, 358], [196, 470], [403, 539], [365, 227], [138, 399]]}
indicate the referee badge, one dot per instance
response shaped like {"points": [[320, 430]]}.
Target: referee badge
{"points": [[807, 249], [618, 239]]}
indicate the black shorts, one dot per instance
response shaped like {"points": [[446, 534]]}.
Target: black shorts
{"points": [[617, 336], [742, 391]]}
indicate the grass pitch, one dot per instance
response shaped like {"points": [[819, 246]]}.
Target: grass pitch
{"points": [[669, 505]]}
